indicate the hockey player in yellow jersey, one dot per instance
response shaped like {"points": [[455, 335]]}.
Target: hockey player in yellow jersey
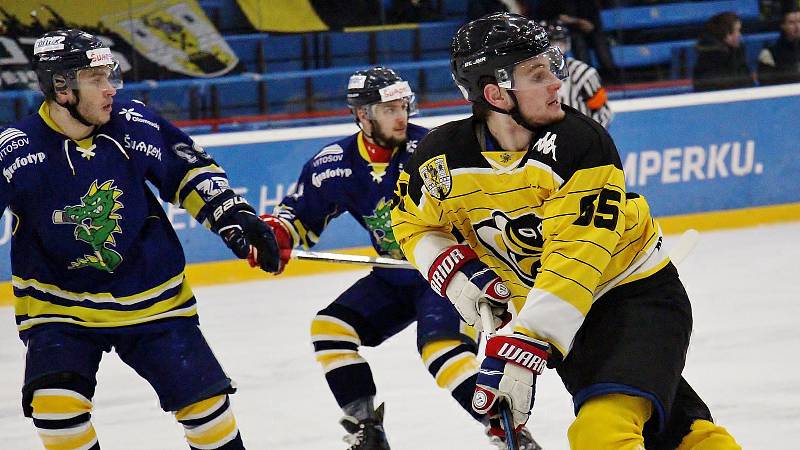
{"points": [[523, 205]]}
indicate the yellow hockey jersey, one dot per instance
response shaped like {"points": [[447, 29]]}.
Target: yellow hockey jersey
{"points": [[554, 221]]}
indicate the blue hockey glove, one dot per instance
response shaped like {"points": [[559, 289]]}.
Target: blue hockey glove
{"points": [[459, 275], [509, 372], [246, 235]]}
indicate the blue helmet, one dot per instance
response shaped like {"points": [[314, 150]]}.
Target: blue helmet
{"points": [[377, 85], [59, 55]]}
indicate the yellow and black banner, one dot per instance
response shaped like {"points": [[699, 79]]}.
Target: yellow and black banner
{"points": [[297, 16], [284, 16], [154, 38]]}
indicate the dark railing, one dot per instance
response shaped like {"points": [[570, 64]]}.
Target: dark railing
{"points": [[206, 98]]}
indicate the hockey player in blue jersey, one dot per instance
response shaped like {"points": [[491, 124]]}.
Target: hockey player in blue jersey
{"points": [[97, 265], [358, 175]]}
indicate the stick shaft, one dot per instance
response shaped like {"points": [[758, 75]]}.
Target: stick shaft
{"points": [[374, 261], [678, 253], [486, 319], [684, 246], [487, 322]]}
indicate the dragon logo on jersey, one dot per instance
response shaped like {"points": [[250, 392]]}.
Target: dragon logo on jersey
{"points": [[380, 225], [516, 241], [436, 177], [96, 220]]}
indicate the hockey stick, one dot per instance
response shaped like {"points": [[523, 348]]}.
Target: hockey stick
{"points": [[684, 246], [374, 261], [677, 254], [505, 413]]}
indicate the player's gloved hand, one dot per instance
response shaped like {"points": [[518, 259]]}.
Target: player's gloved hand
{"points": [[459, 275], [282, 237], [508, 373], [246, 235]]}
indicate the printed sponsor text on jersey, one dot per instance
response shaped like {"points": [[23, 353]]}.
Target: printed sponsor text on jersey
{"points": [[318, 178]]}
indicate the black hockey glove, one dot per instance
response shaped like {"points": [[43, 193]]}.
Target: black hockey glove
{"points": [[246, 235]]}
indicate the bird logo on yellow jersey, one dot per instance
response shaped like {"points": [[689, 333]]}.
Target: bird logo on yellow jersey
{"points": [[516, 241]]}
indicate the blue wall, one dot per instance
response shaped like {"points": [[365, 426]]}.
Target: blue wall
{"points": [[685, 159], [712, 157]]}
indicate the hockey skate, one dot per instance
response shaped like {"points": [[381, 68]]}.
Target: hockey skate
{"points": [[525, 441], [366, 434]]}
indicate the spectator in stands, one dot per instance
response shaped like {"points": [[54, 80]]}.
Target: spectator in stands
{"points": [[582, 17], [413, 11], [780, 62], [721, 60]]}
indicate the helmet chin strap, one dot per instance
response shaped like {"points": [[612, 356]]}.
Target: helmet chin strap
{"points": [[514, 113], [73, 110]]}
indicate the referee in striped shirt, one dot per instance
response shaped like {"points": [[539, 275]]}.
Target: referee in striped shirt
{"points": [[582, 90]]}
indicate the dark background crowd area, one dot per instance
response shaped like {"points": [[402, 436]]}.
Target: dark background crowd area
{"points": [[593, 47], [639, 52]]}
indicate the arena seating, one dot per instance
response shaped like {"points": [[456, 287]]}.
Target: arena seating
{"points": [[671, 14], [307, 72]]}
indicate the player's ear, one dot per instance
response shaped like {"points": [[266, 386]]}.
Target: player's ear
{"points": [[63, 97], [496, 97], [361, 113], [363, 119]]}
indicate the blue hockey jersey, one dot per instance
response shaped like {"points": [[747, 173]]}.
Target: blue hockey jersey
{"points": [[92, 245], [341, 178]]}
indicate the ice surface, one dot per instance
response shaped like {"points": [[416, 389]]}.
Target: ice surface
{"points": [[744, 286]]}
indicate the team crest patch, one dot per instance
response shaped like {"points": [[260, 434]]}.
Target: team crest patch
{"points": [[95, 220], [436, 177]]}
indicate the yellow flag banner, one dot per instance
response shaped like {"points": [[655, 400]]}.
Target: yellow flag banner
{"points": [[165, 38], [298, 16], [283, 16]]}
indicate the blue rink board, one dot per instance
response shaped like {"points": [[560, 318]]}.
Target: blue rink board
{"points": [[687, 159]]}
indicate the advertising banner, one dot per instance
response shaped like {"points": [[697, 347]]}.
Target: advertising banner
{"points": [[686, 159]]}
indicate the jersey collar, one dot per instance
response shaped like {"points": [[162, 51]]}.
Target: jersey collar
{"points": [[503, 161], [44, 113], [377, 157]]}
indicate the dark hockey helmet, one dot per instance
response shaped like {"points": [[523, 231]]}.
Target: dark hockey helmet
{"points": [[378, 85], [491, 46], [556, 31], [59, 55]]}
